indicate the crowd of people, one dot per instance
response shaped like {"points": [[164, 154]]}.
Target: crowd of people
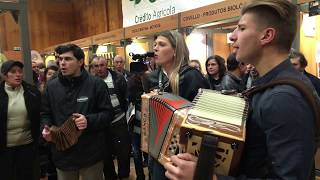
{"points": [[281, 127]]}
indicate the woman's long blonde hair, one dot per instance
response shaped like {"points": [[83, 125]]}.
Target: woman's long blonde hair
{"points": [[180, 59]]}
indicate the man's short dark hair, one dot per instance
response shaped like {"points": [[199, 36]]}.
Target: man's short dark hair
{"points": [[76, 50], [279, 14], [302, 59], [232, 62]]}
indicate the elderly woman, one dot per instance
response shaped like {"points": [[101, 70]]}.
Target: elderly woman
{"points": [[19, 125]]}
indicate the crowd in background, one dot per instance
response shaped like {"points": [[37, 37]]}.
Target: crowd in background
{"points": [[98, 98], [124, 89]]}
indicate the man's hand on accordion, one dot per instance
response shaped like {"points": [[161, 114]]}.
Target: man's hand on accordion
{"points": [[182, 166], [46, 134], [80, 121]]}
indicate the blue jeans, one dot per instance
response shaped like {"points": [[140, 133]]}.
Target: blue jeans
{"points": [[137, 156]]}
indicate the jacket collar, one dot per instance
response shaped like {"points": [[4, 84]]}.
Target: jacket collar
{"points": [[285, 65], [73, 81]]}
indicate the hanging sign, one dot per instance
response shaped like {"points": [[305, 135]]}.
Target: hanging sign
{"points": [[140, 11], [212, 13], [108, 37], [152, 27], [85, 42], [49, 50]]}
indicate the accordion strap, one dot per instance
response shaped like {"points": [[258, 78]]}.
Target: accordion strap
{"points": [[206, 158], [160, 83], [306, 92]]}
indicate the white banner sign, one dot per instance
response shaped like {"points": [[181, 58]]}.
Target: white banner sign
{"points": [[140, 11]]}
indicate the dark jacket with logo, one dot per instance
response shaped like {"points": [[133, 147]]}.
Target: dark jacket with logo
{"points": [[32, 99], [87, 95]]}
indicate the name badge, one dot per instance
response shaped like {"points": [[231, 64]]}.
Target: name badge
{"points": [[114, 100], [82, 99]]}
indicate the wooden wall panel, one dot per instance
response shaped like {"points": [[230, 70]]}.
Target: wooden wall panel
{"points": [[60, 29], [50, 22], [10, 33], [114, 14], [13, 55], [3, 38], [89, 17]]}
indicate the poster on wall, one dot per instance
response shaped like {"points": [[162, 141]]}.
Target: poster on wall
{"points": [[309, 25], [140, 11]]}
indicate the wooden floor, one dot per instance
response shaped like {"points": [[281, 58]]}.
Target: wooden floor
{"points": [[132, 171]]}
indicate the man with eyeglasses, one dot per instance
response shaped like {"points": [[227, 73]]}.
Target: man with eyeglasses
{"points": [[75, 93]]}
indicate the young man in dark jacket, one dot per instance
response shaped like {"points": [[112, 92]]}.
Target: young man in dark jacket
{"points": [[75, 93], [118, 139], [280, 130]]}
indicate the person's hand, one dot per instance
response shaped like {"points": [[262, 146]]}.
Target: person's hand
{"points": [[46, 134], [181, 167], [80, 121]]}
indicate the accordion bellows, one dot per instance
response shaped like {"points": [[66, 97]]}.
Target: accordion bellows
{"points": [[162, 119], [66, 135]]}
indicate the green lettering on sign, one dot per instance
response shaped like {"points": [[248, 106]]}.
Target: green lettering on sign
{"points": [[138, 1]]}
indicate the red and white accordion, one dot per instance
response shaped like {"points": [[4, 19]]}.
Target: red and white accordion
{"points": [[171, 125]]}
